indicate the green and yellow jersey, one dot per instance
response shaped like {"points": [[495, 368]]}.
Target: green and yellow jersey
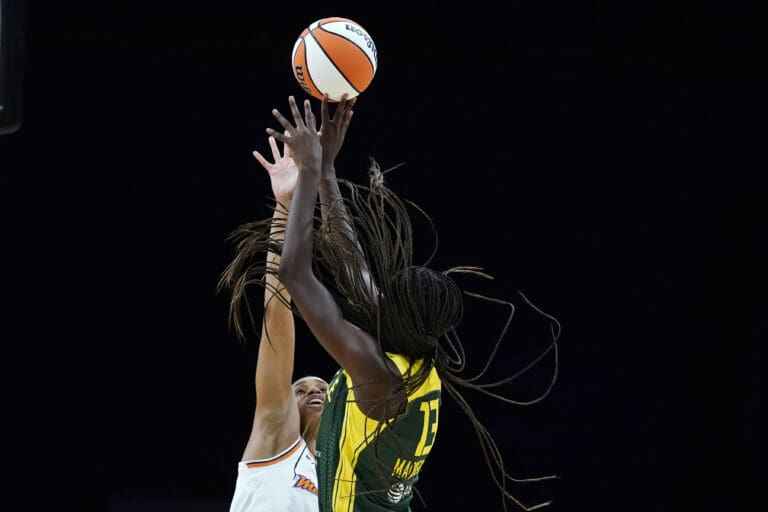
{"points": [[364, 467]]}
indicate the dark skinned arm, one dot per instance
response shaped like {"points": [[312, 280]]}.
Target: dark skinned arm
{"points": [[333, 130], [374, 375]]}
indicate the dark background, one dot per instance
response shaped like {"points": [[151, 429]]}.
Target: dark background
{"points": [[604, 157]]}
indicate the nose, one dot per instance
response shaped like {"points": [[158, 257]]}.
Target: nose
{"points": [[314, 390]]}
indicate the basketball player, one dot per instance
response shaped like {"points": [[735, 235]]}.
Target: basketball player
{"points": [[389, 324], [277, 472]]}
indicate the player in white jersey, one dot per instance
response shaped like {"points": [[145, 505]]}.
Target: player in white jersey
{"points": [[277, 471], [286, 482]]}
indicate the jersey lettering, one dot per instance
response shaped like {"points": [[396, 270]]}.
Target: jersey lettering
{"points": [[406, 469], [302, 482]]}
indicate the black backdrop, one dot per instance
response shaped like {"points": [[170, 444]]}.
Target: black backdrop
{"points": [[601, 156]]}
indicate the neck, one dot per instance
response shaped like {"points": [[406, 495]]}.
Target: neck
{"points": [[310, 432]]}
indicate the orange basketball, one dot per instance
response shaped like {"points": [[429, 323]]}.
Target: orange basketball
{"points": [[334, 56]]}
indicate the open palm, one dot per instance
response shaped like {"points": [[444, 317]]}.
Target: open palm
{"points": [[282, 173]]}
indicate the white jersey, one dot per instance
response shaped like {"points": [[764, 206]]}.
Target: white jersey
{"points": [[286, 482]]}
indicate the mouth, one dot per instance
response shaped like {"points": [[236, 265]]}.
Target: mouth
{"points": [[318, 401]]}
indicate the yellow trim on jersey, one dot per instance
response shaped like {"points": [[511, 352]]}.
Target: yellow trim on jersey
{"points": [[359, 430]]}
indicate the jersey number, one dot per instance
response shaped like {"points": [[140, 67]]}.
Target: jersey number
{"points": [[429, 409]]}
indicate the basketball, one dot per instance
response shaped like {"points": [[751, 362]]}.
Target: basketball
{"points": [[334, 56]]}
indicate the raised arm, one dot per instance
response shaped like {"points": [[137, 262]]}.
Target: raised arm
{"points": [[276, 421], [333, 130], [376, 378]]}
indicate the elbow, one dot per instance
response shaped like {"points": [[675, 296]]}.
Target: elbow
{"points": [[286, 274], [290, 274]]}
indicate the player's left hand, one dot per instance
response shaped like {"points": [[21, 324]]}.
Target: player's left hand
{"points": [[334, 129]]}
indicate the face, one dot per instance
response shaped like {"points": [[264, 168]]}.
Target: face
{"points": [[310, 395]]}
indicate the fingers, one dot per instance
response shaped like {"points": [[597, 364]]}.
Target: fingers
{"points": [[263, 161], [309, 121], [309, 116], [295, 112], [273, 146], [279, 136], [282, 120], [346, 114], [286, 147], [343, 107], [345, 123], [324, 118]]}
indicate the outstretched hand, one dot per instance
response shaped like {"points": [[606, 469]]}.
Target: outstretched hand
{"points": [[282, 173], [302, 139], [334, 129]]}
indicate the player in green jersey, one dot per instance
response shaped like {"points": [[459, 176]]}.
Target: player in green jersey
{"points": [[387, 321]]}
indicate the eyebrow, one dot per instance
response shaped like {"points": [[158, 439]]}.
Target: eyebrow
{"points": [[303, 385]]}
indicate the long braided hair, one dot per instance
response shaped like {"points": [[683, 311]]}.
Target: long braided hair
{"points": [[412, 310]]}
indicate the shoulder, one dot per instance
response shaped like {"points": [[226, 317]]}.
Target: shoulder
{"points": [[406, 366]]}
